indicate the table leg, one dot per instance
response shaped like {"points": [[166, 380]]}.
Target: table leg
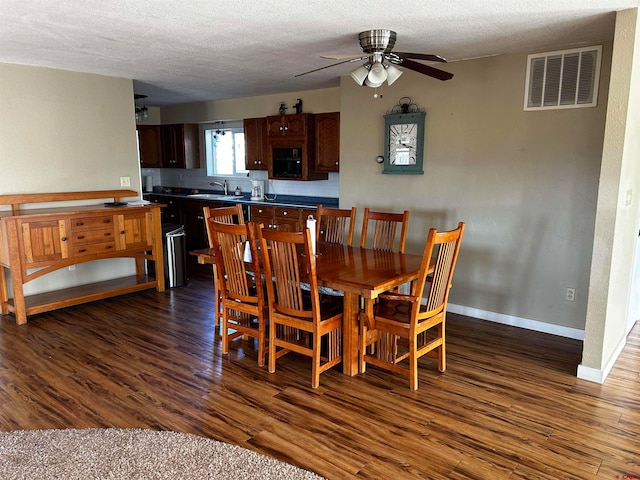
{"points": [[350, 329], [4, 295]]}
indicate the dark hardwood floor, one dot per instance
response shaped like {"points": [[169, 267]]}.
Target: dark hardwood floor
{"points": [[508, 406]]}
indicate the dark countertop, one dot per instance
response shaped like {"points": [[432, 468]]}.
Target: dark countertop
{"points": [[280, 200]]}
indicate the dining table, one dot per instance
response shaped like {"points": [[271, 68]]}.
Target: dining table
{"points": [[354, 273]]}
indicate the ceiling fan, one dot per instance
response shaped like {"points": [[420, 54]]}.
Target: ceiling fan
{"points": [[381, 61]]}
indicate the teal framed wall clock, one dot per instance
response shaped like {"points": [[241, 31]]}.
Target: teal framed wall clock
{"points": [[404, 143]]}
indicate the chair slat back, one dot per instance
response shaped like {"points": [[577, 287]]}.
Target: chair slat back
{"points": [[289, 270], [232, 214], [443, 247], [385, 226], [230, 243], [335, 224]]}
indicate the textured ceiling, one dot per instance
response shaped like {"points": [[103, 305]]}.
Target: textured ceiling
{"points": [[187, 51]]}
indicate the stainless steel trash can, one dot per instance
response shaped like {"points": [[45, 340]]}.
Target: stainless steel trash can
{"points": [[175, 255], [174, 247]]}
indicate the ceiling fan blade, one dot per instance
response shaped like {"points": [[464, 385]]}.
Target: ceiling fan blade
{"points": [[426, 70], [421, 56], [326, 66], [353, 56]]}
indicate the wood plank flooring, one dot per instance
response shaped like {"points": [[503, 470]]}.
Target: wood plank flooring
{"points": [[508, 406]]}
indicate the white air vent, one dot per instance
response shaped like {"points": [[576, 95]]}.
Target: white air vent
{"points": [[564, 79]]}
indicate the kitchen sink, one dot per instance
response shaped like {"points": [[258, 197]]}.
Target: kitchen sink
{"points": [[213, 196]]}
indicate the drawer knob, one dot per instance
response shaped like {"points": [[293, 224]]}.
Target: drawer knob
{"points": [[80, 237]]}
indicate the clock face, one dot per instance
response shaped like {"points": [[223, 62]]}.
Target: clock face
{"points": [[403, 143]]}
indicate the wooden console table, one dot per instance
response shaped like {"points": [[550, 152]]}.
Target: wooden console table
{"points": [[35, 242]]}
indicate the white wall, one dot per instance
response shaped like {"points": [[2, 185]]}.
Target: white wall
{"points": [[64, 131]]}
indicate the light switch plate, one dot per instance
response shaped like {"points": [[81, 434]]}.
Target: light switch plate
{"points": [[125, 181]]}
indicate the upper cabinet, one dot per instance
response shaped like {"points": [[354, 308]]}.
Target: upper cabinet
{"points": [[296, 125], [150, 146], [327, 132], [180, 145], [255, 144], [301, 146]]}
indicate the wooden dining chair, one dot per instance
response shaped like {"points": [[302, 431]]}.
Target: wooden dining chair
{"points": [[335, 225], [231, 214], [399, 327], [385, 226], [297, 320], [243, 302]]}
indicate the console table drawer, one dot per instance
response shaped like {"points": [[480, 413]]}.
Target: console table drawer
{"points": [[92, 223], [93, 249], [93, 236]]}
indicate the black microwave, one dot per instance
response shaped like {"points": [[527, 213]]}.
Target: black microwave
{"points": [[286, 162]]}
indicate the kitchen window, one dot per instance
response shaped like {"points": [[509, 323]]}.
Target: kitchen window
{"points": [[224, 150]]}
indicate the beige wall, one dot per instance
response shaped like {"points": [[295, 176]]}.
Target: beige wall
{"points": [[524, 182], [313, 101], [66, 131], [616, 227]]}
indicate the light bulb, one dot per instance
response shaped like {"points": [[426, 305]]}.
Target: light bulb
{"points": [[377, 74], [359, 75], [393, 73]]}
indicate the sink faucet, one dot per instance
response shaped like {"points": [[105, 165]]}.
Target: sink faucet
{"points": [[224, 185]]}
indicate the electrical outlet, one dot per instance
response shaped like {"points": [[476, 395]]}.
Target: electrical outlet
{"points": [[72, 267], [570, 295], [125, 181]]}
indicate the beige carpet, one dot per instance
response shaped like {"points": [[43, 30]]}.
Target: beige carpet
{"points": [[132, 454]]}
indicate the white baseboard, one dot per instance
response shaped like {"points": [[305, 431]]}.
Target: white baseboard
{"points": [[599, 376], [591, 374], [535, 325]]}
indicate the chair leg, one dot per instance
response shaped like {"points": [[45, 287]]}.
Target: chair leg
{"points": [[272, 348], [225, 331], [413, 363], [216, 296], [262, 340], [362, 364], [315, 368], [442, 350]]}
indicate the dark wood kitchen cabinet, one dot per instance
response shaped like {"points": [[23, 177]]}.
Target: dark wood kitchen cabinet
{"points": [[180, 145], [296, 125], [255, 143], [172, 211], [327, 133], [150, 146], [283, 219]]}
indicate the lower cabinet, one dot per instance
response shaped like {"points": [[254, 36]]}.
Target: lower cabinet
{"points": [[283, 219]]}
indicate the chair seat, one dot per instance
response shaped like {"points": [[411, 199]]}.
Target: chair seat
{"points": [[397, 310]]}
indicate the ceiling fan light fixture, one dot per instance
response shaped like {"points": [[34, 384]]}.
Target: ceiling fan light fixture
{"points": [[393, 73], [377, 74], [369, 83], [359, 75]]}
